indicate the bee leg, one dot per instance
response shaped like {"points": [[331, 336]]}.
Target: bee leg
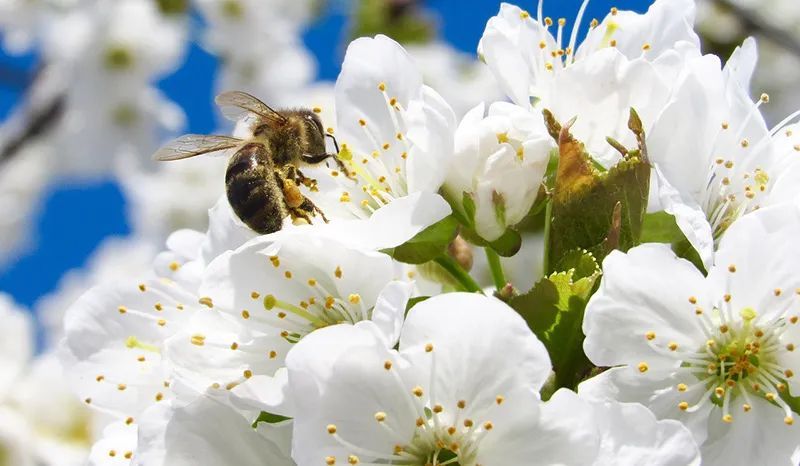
{"points": [[313, 159], [295, 174], [309, 206]]}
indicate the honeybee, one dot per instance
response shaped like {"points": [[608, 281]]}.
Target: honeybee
{"points": [[263, 175]]}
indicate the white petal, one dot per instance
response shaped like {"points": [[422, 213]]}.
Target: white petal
{"points": [[116, 447], [631, 436], [113, 344], [431, 125], [390, 309], [756, 437], [666, 23], [204, 432], [635, 298], [502, 353], [16, 342], [760, 271]]}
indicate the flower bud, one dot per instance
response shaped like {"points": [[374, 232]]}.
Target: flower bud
{"points": [[500, 160]]}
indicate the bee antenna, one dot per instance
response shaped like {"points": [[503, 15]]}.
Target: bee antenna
{"points": [[335, 144]]}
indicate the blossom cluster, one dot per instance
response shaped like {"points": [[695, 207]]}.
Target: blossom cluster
{"points": [[638, 301]]}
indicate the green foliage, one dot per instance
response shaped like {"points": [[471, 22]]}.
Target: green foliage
{"points": [[660, 227], [173, 7], [428, 244], [554, 308], [269, 418], [402, 21], [594, 209], [413, 301]]}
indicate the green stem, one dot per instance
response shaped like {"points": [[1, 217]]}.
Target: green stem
{"points": [[460, 275], [498, 276], [548, 220]]}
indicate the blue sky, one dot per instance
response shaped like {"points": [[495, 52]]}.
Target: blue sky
{"points": [[73, 220]]}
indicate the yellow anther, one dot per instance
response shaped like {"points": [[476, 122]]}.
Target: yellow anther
{"points": [[417, 391], [672, 346], [746, 407], [198, 340], [362, 122], [788, 420], [272, 354], [643, 367], [380, 416], [352, 459], [488, 425], [174, 266], [354, 298], [316, 110], [437, 408], [682, 387], [524, 14], [122, 309], [387, 365], [245, 314], [121, 387], [206, 301], [428, 347], [159, 396], [382, 86], [650, 335], [727, 418], [683, 406], [234, 346], [331, 429], [288, 275], [247, 373]]}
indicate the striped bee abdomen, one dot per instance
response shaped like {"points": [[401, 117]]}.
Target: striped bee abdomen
{"points": [[252, 190]]}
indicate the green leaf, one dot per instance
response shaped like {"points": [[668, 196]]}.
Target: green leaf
{"points": [[594, 210], [270, 418], [413, 301], [660, 227], [553, 310], [428, 244]]}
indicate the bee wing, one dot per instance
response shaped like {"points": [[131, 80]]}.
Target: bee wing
{"points": [[236, 105], [191, 145]]}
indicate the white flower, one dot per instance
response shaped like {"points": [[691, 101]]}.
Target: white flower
{"points": [[630, 435], [260, 46], [206, 432], [113, 343], [716, 353], [173, 196], [462, 80], [116, 446], [16, 343], [525, 56], [627, 61], [271, 293], [715, 158], [60, 426], [15, 438], [464, 384], [500, 160], [396, 134]]}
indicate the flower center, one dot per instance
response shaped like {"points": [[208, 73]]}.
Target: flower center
{"points": [[443, 434], [740, 360], [322, 306], [379, 175]]}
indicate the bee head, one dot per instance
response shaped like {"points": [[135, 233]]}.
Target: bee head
{"points": [[315, 134]]}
